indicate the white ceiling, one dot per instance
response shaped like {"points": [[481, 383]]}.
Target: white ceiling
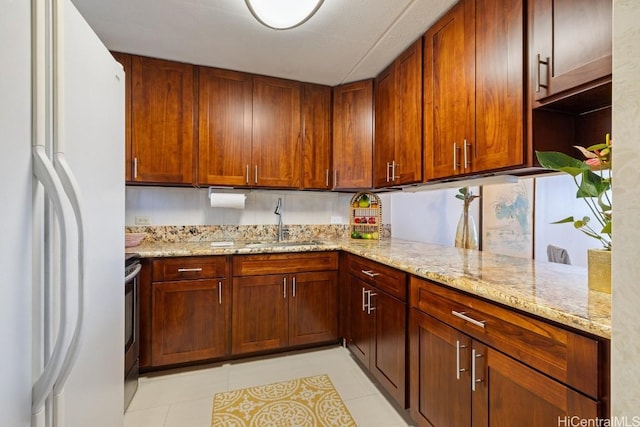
{"points": [[347, 40]]}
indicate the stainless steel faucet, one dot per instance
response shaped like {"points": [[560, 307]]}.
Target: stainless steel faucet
{"points": [[278, 212]]}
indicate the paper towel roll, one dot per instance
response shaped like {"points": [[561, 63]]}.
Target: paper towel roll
{"points": [[227, 200]]}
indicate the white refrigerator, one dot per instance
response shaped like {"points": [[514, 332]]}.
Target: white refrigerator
{"points": [[62, 92]]}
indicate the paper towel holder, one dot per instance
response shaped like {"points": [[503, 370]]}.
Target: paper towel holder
{"points": [[212, 189]]}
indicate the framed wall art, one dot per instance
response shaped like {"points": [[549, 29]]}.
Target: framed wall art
{"points": [[507, 218]]}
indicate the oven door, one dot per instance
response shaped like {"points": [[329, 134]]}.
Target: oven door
{"points": [[131, 334]]}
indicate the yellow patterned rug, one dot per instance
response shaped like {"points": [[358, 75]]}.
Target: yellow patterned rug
{"points": [[305, 402]]}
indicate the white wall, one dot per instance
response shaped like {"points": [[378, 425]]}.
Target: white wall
{"points": [[190, 206], [625, 379]]}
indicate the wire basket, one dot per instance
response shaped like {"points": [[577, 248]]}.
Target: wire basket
{"points": [[366, 216]]}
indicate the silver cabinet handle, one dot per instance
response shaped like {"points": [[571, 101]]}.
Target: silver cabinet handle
{"points": [[220, 292], [474, 380], [458, 369], [388, 167], [335, 178], [256, 176], [135, 167], [284, 287], [326, 179], [462, 315], [189, 270], [370, 273], [364, 304], [247, 169], [455, 156], [293, 285], [464, 153], [539, 62], [369, 307], [393, 170]]}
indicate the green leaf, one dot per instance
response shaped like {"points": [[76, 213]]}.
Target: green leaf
{"points": [[604, 206], [561, 162], [563, 221], [597, 147], [591, 185], [607, 228], [459, 196]]}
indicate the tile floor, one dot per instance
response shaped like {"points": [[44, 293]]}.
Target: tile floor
{"points": [[183, 398]]}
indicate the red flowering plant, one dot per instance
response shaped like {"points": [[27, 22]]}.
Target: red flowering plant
{"points": [[593, 179]]}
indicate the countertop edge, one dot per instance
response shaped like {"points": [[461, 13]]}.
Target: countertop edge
{"points": [[599, 327]]}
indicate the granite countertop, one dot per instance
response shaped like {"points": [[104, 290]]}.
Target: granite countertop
{"points": [[552, 291]]}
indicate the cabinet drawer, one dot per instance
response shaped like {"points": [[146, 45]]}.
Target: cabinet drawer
{"points": [[185, 268], [257, 265], [388, 279], [567, 356]]}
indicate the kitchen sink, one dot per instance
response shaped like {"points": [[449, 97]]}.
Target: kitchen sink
{"points": [[279, 244]]}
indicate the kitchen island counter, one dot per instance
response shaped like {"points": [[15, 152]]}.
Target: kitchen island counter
{"points": [[555, 292]]}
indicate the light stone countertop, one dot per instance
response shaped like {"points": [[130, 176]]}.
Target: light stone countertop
{"points": [[556, 292]]}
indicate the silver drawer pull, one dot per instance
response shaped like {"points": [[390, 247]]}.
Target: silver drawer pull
{"points": [[370, 273], [474, 380], [458, 368], [189, 270], [462, 315]]}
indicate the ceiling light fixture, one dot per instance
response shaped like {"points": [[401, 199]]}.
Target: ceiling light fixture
{"points": [[283, 14]]}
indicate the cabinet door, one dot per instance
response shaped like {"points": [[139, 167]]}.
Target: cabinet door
{"points": [[385, 127], [259, 313], [574, 37], [316, 137], [408, 132], [439, 371], [449, 64], [361, 338], [190, 321], [125, 60], [499, 89], [389, 354], [353, 135], [225, 120], [276, 146], [313, 307], [162, 121], [509, 393]]}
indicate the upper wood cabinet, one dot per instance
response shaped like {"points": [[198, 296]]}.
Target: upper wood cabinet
{"points": [[249, 130], [353, 135], [276, 147], [316, 137], [473, 89], [162, 121], [125, 60], [571, 44], [225, 122], [398, 120]]}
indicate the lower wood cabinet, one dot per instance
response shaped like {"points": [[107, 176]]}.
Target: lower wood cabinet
{"points": [[288, 308], [190, 309], [457, 379], [378, 323]]}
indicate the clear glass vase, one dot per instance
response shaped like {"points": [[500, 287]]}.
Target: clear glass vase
{"points": [[466, 233]]}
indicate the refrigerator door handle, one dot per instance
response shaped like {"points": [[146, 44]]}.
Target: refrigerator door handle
{"points": [[70, 186], [45, 173]]}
